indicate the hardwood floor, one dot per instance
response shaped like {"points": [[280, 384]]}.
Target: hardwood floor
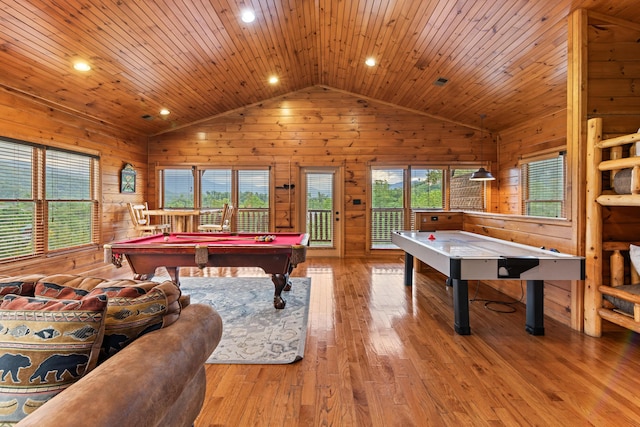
{"points": [[381, 354]]}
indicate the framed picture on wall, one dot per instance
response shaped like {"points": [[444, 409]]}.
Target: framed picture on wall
{"points": [[128, 179]]}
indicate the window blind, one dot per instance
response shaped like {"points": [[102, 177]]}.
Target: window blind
{"points": [[68, 191], [49, 200], [543, 187], [178, 188], [465, 194], [215, 188], [17, 207]]}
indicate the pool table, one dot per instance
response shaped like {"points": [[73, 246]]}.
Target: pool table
{"points": [[276, 253]]}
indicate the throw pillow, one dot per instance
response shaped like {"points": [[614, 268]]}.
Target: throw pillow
{"points": [[634, 254], [134, 308], [131, 315], [45, 346], [63, 286], [19, 285]]}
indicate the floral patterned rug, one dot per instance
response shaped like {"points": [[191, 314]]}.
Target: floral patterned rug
{"points": [[254, 332]]}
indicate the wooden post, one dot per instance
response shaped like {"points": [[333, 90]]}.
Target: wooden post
{"points": [[593, 232], [617, 268]]}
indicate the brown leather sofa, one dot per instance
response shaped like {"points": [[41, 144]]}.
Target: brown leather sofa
{"points": [[157, 380]]}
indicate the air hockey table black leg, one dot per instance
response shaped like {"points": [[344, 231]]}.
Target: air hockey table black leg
{"points": [[535, 307], [408, 269], [461, 306]]}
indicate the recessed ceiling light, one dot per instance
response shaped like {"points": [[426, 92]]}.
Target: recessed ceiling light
{"points": [[370, 62], [273, 80], [81, 66], [164, 112], [248, 16]]}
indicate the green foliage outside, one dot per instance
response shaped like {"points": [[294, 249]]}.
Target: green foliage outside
{"points": [[217, 199], [16, 229], [426, 189], [386, 196], [319, 202], [69, 224]]}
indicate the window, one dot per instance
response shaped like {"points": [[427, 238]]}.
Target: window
{"points": [[427, 189], [247, 189], [543, 186], [464, 194], [387, 205], [215, 188], [319, 199], [178, 188], [253, 200], [393, 204], [49, 202]]}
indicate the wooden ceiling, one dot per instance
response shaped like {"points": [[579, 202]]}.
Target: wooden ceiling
{"points": [[505, 59]]}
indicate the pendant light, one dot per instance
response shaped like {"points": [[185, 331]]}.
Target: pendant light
{"points": [[481, 174]]}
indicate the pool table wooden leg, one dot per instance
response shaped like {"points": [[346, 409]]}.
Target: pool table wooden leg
{"points": [[280, 281], [174, 273], [287, 286]]}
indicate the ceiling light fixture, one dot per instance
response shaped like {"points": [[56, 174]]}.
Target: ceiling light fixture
{"points": [[273, 80], [81, 66], [481, 174], [248, 16], [371, 62], [164, 112]]}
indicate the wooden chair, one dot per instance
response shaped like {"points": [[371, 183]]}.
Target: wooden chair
{"points": [[227, 214], [141, 221]]}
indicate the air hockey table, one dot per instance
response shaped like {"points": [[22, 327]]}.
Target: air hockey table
{"points": [[464, 256]]}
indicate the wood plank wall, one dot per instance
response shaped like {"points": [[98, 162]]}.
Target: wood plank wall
{"points": [[537, 135], [541, 134], [320, 126], [24, 119], [613, 70]]}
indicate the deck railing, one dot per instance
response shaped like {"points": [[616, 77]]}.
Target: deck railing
{"points": [[383, 222], [253, 220], [319, 224], [249, 220], [320, 227]]}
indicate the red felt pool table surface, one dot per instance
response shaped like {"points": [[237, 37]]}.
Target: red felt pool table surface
{"points": [[172, 251]]}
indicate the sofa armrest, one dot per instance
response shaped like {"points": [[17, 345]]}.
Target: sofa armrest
{"points": [[139, 384]]}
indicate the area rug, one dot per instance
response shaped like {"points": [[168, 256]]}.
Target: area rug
{"points": [[254, 332]]}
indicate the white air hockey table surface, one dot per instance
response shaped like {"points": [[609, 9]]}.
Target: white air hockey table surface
{"points": [[463, 256]]}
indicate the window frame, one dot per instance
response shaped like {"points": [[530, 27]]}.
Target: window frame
{"points": [[408, 211], [198, 172], [42, 201]]}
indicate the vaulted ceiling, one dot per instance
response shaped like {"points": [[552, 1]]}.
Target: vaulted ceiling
{"points": [[505, 59]]}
